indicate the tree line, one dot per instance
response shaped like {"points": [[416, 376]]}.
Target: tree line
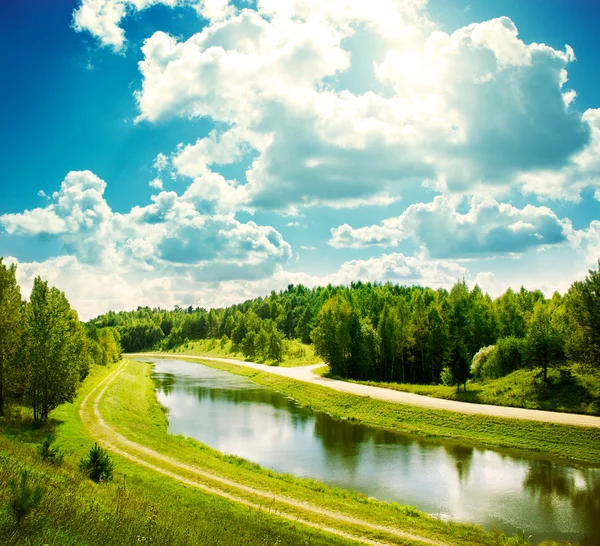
{"points": [[45, 351], [392, 333]]}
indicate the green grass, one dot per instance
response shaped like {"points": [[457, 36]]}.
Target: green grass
{"points": [[295, 353], [139, 506], [572, 392], [559, 441]]}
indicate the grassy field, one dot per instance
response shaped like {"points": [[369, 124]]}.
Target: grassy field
{"points": [[572, 392], [559, 441], [139, 506], [295, 353]]}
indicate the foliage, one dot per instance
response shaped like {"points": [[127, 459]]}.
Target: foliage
{"points": [[480, 359], [508, 355], [11, 311], [50, 453], [24, 498], [545, 343], [97, 465], [385, 332]]}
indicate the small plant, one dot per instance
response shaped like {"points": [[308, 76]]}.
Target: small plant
{"points": [[97, 465], [23, 498], [49, 453]]}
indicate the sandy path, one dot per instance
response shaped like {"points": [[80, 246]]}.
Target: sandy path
{"points": [[140, 454], [305, 373]]}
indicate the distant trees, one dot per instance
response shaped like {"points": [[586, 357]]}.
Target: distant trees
{"points": [[387, 332]]}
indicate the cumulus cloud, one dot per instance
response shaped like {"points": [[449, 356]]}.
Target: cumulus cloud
{"points": [[102, 18], [180, 232], [156, 184], [478, 107], [487, 228]]}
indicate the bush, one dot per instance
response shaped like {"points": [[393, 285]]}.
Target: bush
{"points": [[479, 360], [49, 453], [23, 498], [97, 465], [507, 356]]}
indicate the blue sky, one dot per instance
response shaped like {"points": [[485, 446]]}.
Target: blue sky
{"points": [[168, 152]]}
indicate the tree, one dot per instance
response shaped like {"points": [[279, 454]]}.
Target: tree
{"points": [[249, 346], [23, 497], [10, 324], [262, 344], [275, 345], [97, 465], [54, 360], [545, 343], [583, 303], [459, 364]]}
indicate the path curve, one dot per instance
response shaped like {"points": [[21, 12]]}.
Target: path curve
{"points": [[306, 374], [139, 454]]}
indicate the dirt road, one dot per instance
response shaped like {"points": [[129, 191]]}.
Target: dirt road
{"points": [[305, 373], [215, 484]]}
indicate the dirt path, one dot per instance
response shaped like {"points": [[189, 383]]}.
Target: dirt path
{"points": [[155, 461], [305, 373]]}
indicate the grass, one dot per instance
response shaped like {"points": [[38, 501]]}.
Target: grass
{"points": [[139, 506], [295, 352], [581, 444], [570, 391]]}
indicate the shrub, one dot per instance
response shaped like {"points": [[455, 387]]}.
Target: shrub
{"points": [[49, 453], [97, 465], [23, 498], [480, 359], [507, 356]]}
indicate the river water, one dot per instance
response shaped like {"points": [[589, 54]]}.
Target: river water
{"points": [[494, 488]]}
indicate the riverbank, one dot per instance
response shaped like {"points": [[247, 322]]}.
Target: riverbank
{"points": [[294, 352], [130, 408], [570, 443], [139, 506], [570, 392]]}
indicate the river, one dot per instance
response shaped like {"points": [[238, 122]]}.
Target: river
{"points": [[501, 489]]}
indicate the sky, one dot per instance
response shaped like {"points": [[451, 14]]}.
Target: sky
{"points": [[203, 152]]}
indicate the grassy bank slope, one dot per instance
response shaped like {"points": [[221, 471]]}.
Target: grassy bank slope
{"points": [[564, 442], [295, 353], [139, 506], [570, 392]]}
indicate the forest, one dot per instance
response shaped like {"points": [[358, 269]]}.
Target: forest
{"points": [[392, 333], [45, 351]]}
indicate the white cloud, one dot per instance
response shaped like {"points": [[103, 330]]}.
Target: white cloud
{"points": [[161, 162], [488, 228], [180, 233], [475, 108], [157, 184]]}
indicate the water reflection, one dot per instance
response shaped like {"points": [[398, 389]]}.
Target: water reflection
{"points": [[234, 415]]}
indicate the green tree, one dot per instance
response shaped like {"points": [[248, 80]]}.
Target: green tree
{"points": [[249, 346], [11, 329], [583, 304], [97, 465], [262, 344], [54, 361], [23, 497], [545, 342]]}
